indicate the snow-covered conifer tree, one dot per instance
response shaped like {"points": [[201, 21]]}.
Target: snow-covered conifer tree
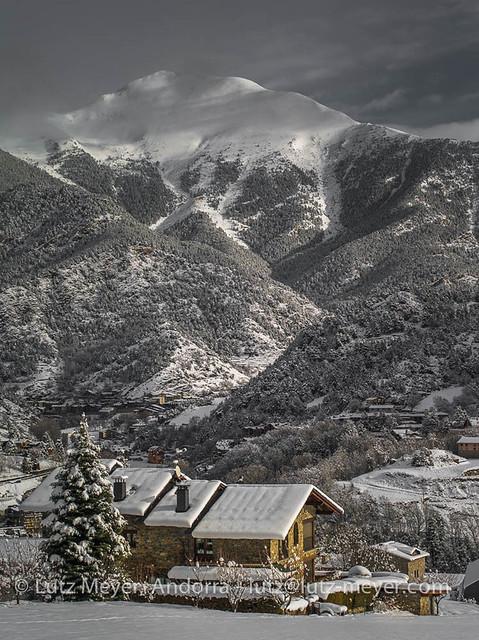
{"points": [[459, 418], [84, 541]]}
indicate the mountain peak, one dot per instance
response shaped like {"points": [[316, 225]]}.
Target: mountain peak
{"points": [[170, 117]]}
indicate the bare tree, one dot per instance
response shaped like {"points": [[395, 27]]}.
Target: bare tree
{"points": [[21, 565], [235, 579], [285, 579]]}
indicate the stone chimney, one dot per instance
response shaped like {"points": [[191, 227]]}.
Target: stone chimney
{"points": [[119, 488], [182, 497]]}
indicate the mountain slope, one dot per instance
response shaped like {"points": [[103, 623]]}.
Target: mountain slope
{"points": [[92, 298], [255, 157], [180, 196], [399, 285]]}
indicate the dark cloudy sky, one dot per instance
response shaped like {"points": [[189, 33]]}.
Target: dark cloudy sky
{"points": [[412, 64]]}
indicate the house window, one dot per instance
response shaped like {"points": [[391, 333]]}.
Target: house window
{"points": [[295, 534], [284, 548], [130, 537], [203, 549], [308, 535]]}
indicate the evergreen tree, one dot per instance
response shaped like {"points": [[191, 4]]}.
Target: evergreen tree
{"points": [[48, 446], [459, 418], [85, 542], [27, 464], [435, 539], [59, 453]]}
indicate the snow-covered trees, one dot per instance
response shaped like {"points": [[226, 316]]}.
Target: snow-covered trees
{"points": [[21, 562], [85, 542], [286, 579], [27, 464], [352, 547], [459, 419], [234, 580]]}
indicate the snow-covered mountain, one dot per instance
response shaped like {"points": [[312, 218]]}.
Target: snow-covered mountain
{"points": [[185, 230], [173, 118], [207, 141]]}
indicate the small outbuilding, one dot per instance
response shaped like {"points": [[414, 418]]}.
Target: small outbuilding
{"points": [[407, 559], [468, 446], [470, 585]]}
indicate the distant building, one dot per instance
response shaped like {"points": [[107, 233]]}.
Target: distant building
{"points": [[156, 455], [470, 585], [406, 559], [468, 446]]}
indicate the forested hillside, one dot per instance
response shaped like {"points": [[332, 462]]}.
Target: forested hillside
{"points": [[188, 232], [92, 298]]}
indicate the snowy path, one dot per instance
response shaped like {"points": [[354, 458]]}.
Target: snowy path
{"points": [[125, 621]]}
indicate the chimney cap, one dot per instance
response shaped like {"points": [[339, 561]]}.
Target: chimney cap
{"points": [[178, 473]]}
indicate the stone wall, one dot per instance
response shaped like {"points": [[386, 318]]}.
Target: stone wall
{"points": [[156, 550], [415, 569]]}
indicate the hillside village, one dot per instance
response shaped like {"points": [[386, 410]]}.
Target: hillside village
{"points": [[183, 529]]}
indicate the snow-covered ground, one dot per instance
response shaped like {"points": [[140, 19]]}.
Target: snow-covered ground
{"points": [[196, 411], [124, 621], [12, 486], [449, 394], [445, 485]]}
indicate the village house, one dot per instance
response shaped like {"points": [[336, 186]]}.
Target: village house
{"points": [[408, 560], [174, 521], [201, 521], [468, 446]]}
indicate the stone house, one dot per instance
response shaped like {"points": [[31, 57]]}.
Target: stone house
{"points": [[406, 559], [468, 446], [162, 539], [249, 523], [203, 521], [174, 521]]}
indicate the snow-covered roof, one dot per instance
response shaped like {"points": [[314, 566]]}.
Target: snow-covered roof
{"points": [[472, 574], [355, 584], [111, 463], [401, 550], [468, 440], [258, 511], [40, 500], [165, 515], [203, 573], [143, 486]]}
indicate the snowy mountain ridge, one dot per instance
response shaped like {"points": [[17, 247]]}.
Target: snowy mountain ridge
{"points": [[184, 123], [235, 220], [170, 118]]}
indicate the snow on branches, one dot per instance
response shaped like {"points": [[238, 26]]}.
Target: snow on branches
{"points": [[84, 540]]}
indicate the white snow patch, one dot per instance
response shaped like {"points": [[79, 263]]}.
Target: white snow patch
{"points": [[196, 411], [126, 620], [449, 394]]}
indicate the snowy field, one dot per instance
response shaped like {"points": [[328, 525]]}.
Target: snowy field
{"points": [[125, 621], [13, 486], [445, 485]]}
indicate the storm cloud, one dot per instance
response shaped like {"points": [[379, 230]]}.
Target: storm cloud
{"points": [[411, 64]]}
